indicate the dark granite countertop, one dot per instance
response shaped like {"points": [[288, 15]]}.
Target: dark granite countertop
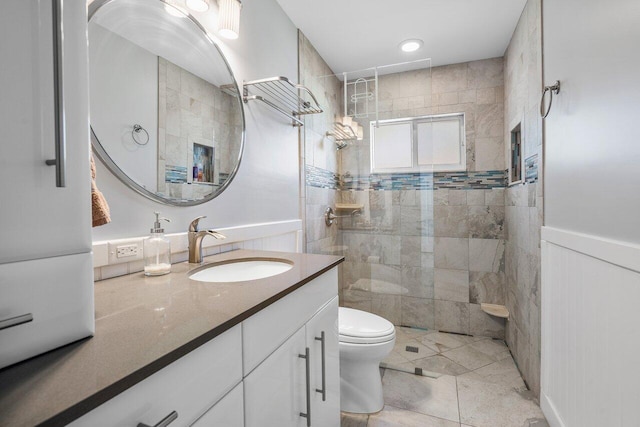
{"points": [[142, 325]]}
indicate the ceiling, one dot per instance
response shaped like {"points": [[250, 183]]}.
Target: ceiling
{"points": [[356, 34]]}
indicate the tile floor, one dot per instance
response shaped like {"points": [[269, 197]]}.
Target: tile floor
{"points": [[466, 382]]}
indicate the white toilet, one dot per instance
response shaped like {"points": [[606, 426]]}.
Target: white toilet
{"points": [[365, 339]]}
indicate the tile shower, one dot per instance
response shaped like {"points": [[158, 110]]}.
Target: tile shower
{"points": [[428, 248]]}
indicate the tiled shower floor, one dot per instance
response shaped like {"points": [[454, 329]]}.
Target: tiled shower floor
{"points": [[466, 382]]}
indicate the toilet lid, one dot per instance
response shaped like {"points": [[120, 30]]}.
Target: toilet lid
{"points": [[359, 326]]}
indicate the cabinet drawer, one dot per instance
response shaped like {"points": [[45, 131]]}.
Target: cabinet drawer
{"points": [[266, 330], [190, 386], [229, 412], [57, 293]]}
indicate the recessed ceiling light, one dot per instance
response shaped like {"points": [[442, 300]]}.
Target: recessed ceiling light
{"points": [[411, 45], [198, 5]]}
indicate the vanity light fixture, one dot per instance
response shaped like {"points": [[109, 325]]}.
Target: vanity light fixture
{"points": [[198, 5], [411, 45], [229, 18]]}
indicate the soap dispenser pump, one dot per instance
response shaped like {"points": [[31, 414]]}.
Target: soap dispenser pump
{"points": [[157, 250]]}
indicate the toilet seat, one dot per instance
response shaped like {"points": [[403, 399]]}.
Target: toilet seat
{"points": [[360, 327]]}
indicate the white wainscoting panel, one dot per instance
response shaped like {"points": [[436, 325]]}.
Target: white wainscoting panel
{"points": [[590, 331]]}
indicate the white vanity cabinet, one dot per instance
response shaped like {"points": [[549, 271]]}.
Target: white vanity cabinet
{"points": [[229, 412], [190, 386], [46, 271], [273, 370], [325, 365], [276, 390]]}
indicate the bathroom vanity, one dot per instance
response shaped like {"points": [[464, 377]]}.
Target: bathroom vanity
{"points": [[169, 348]]}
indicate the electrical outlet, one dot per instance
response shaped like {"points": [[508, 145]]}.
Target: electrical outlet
{"points": [[125, 251]]}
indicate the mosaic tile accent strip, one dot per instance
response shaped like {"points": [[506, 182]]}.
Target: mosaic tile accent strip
{"points": [[531, 169], [321, 178], [426, 181], [175, 174]]}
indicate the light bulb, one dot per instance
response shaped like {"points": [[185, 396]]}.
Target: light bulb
{"points": [[198, 5], [229, 18]]}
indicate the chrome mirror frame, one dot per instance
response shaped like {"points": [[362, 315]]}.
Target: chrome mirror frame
{"points": [[101, 153]]}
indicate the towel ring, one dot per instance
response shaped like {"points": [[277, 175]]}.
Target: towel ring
{"points": [[136, 130], [544, 112]]}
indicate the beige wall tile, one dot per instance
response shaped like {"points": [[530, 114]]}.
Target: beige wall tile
{"points": [[486, 73], [450, 78], [451, 285], [451, 253], [451, 316], [417, 312], [387, 306]]}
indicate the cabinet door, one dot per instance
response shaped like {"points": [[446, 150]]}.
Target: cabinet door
{"points": [[229, 412], [37, 219], [275, 392], [189, 386], [325, 397]]}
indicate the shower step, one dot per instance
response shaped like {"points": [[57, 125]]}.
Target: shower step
{"points": [[495, 310]]}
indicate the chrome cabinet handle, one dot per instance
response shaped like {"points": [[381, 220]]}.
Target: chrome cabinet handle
{"points": [[60, 162], [307, 415], [323, 390], [15, 321], [164, 422]]}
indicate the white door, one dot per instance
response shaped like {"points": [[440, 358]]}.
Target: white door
{"points": [[275, 392], [228, 412], [325, 395], [38, 219]]}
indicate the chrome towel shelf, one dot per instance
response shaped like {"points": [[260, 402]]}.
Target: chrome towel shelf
{"points": [[342, 134], [289, 99]]}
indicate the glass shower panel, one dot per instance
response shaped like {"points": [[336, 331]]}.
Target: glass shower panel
{"points": [[384, 220], [387, 231]]}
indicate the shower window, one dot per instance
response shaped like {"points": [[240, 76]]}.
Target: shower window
{"points": [[419, 144]]}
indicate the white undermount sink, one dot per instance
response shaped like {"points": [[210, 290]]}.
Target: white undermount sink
{"points": [[241, 270]]}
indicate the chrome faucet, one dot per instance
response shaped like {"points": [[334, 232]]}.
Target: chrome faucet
{"points": [[195, 240]]}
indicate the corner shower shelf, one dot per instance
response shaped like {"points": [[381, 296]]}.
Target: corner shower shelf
{"points": [[495, 310], [342, 133], [289, 99]]}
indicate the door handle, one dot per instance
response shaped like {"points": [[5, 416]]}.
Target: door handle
{"points": [[15, 321], [323, 390], [60, 162], [163, 422], [307, 415]]}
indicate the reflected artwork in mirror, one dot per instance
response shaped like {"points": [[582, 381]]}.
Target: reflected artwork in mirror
{"points": [[166, 112]]}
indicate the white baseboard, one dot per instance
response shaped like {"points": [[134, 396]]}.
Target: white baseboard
{"points": [[550, 412]]}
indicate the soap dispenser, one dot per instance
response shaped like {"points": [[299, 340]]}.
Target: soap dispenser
{"points": [[157, 250]]}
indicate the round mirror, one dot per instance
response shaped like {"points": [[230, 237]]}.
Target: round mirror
{"points": [[166, 111]]}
